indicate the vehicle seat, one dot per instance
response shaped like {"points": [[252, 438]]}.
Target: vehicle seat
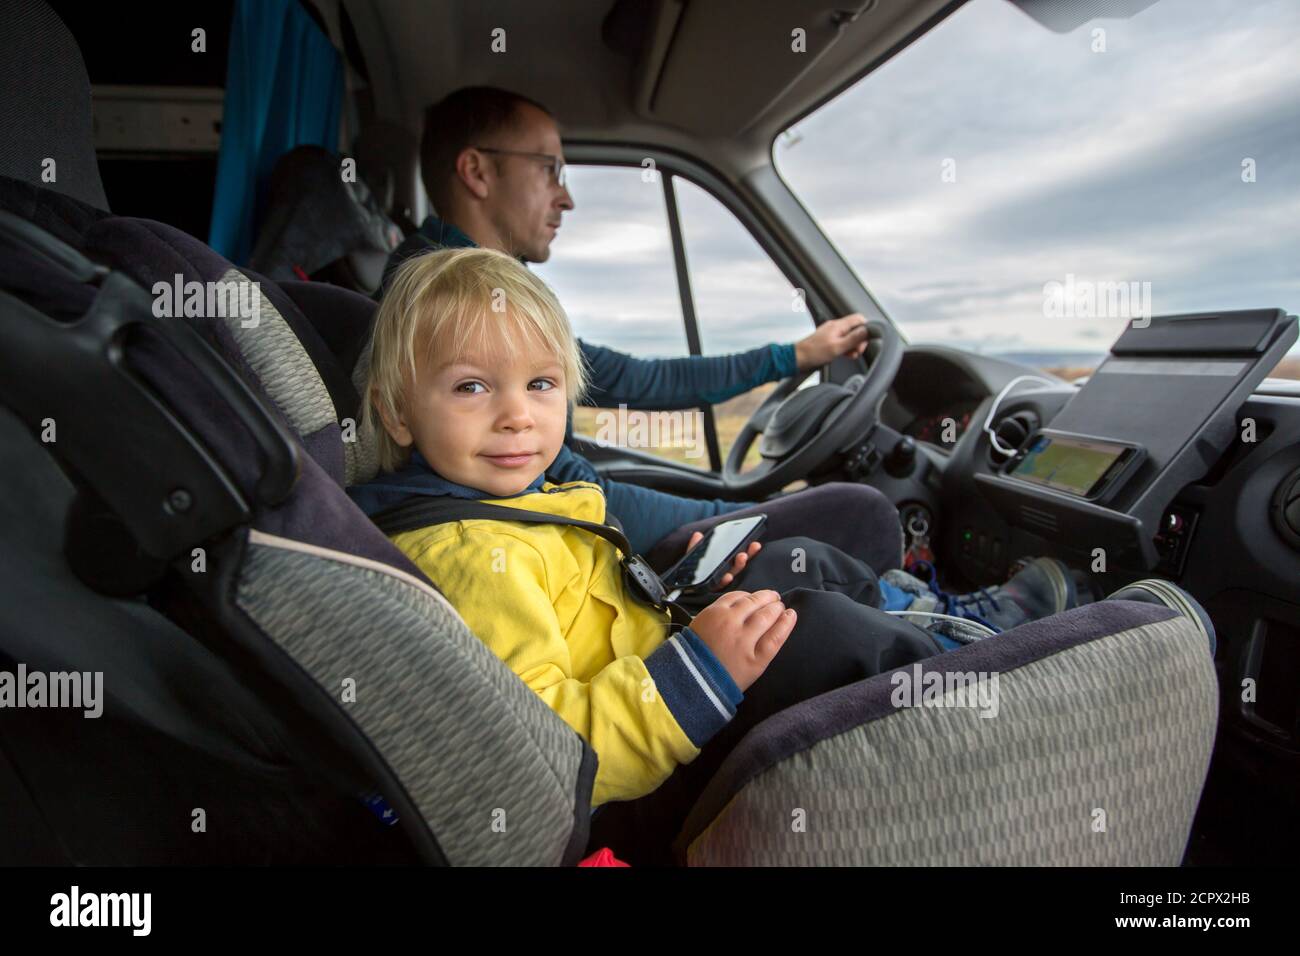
{"points": [[323, 225], [1097, 755], [883, 784], [48, 171], [316, 610], [48, 139]]}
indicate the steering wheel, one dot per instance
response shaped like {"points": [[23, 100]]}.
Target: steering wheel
{"points": [[803, 429]]}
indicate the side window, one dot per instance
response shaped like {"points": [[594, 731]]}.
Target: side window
{"points": [[742, 300], [612, 268]]}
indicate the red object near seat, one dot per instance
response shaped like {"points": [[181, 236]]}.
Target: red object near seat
{"points": [[604, 857]]}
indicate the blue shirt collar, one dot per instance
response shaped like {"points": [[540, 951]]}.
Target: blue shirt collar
{"points": [[445, 234], [418, 478]]}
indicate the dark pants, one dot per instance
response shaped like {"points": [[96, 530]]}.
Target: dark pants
{"points": [[840, 638], [858, 519]]}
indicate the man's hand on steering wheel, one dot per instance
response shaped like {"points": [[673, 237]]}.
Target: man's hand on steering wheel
{"points": [[800, 431], [845, 336]]}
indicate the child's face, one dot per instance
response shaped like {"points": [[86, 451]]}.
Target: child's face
{"points": [[487, 421]]}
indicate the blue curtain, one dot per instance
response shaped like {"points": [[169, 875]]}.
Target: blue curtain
{"points": [[284, 88]]}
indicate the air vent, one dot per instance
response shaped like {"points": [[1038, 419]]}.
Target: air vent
{"points": [[1012, 431], [1286, 509]]}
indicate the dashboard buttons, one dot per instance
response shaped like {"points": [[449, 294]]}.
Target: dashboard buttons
{"points": [[862, 461]]}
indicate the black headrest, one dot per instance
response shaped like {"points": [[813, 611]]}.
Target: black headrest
{"points": [[46, 127]]}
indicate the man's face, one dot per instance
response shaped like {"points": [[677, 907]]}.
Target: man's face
{"points": [[524, 202], [490, 422]]}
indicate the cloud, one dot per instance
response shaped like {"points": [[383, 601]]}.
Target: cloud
{"points": [[1123, 165], [1117, 166]]}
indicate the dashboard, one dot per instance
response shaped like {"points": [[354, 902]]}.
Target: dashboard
{"points": [[1230, 535], [935, 395], [944, 427], [1222, 529]]}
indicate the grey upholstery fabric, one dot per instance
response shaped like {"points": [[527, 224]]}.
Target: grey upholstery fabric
{"points": [[367, 464], [1121, 726], [362, 370], [283, 369], [343, 320], [45, 102], [493, 770], [290, 379]]}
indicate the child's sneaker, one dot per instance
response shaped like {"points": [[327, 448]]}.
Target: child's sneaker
{"points": [[1156, 591], [1042, 587]]}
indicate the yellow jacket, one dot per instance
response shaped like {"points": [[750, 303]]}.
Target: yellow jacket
{"points": [[550, 601]]}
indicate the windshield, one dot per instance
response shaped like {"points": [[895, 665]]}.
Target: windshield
{"points": [[1010, 190]]}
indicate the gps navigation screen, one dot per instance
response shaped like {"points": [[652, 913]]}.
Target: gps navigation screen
{"points": [[1073, 465]]}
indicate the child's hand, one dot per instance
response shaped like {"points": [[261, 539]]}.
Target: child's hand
{"points": [[745, 631], [737, 564]]}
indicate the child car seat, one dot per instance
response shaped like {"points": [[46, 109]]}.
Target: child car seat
{"points": [[394, 703], [308, 593], [303, 685], [323, 224]]}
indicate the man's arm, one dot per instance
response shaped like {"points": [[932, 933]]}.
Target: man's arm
{"points": [[620, 379]]}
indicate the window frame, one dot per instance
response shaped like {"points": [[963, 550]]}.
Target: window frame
{"points": [[669, 166]]}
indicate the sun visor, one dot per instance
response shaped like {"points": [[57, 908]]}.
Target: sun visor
{"points": [[746, 62]]}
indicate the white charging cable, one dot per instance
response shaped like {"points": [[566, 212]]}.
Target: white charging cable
{"points": [[997, 402]]}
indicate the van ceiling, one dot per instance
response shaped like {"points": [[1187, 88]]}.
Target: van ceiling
{"points": [[716, 78]]}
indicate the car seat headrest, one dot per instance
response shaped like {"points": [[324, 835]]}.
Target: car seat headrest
{"points": [[257, 327], [46, 129], [320, 220], [344, 320]]}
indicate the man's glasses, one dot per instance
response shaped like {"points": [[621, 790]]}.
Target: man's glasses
{"points": [[554, 164]]}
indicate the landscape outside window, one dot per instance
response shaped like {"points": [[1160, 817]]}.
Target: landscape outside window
{"points": [[975, 182], [995, 168], [612, 268]]}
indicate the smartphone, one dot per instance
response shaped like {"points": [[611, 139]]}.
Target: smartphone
{"points": [[1079, 465], [709, 560]]}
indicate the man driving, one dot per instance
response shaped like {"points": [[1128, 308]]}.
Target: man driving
{"points": [[493, 167]]}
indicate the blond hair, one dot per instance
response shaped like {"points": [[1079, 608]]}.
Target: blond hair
{"points": [[460, 300]]}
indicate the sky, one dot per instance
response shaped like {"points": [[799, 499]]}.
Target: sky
{"points": [[1122, 165]]}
